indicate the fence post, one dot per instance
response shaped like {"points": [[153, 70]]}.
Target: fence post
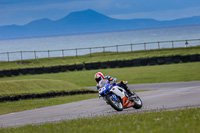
{"points": [[8, 56], [21, 56], [63, 53], [117, 48], [104, 49], [35, 54], [145, 46], [158, 45], [186, 43], [90, 52], [131, 47], [76, 52], [48, 53], [172, 44]]}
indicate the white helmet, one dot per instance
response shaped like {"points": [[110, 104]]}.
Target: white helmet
{"points": [[99, 77]]}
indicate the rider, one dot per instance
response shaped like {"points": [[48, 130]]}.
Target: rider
{"points": [[101, 81]]}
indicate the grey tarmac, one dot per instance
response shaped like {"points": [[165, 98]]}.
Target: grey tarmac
{"points": [[163, 96]]}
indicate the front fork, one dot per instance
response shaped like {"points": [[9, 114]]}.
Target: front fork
{"points": [[113, 95], [115, 98]]}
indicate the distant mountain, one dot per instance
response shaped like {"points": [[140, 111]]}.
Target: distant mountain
{"points": [[87, 21]]}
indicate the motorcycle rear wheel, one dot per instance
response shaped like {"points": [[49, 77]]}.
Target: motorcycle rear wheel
{"points": [[117, 105]]}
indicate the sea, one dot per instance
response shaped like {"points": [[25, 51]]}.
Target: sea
{"points": [[81, 44]]}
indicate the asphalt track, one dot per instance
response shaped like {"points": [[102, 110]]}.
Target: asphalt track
{"points": [[163, 96]]}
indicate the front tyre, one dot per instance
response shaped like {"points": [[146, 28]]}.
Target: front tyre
{"points": [[115, 102], [138, 102]]}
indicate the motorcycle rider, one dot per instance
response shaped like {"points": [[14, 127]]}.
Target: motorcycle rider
{"points": [[101, 81]]}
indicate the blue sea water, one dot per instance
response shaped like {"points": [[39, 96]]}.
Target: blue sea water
{"points": [[43, 44]]}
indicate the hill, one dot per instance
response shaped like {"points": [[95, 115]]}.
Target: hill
{"points": [[87, 21]]}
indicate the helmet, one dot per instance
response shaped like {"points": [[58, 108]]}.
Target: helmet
{"points": [[98, 77]]}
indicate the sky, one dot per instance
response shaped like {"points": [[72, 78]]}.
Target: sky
{"points": [[21, 12]]}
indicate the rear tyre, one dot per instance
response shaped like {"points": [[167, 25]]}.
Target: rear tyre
{"points": [[117, 105]]}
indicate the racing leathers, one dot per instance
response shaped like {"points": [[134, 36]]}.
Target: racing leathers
{"points": [[113, 81]]}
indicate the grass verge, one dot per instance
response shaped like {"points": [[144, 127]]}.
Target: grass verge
{"points": [[177, 121], [97, 57], [135, 75], [9, 107], [28, 86]]}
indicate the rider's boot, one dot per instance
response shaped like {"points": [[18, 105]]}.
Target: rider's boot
{"points": [[130, 93], [123, 84]]}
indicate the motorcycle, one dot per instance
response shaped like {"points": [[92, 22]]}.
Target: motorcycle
{"points": [[118, 98]]}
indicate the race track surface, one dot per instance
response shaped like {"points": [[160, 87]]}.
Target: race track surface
{"points": [[163, 96]]}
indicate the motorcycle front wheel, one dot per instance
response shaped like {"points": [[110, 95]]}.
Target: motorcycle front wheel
{"points": [[138, 102], [115, 102]]}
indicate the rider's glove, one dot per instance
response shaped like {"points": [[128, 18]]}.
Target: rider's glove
{"points": [[107, 77], [99, 95], [99, 89], [113, 80]]}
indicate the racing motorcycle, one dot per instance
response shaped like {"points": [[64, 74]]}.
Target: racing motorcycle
{"points": [[117, 97]]}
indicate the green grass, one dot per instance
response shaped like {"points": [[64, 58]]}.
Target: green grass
{"points": [[97, 57], [177, 121], [135, 75], [24, 84], [9, 107], [27, 86]]}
